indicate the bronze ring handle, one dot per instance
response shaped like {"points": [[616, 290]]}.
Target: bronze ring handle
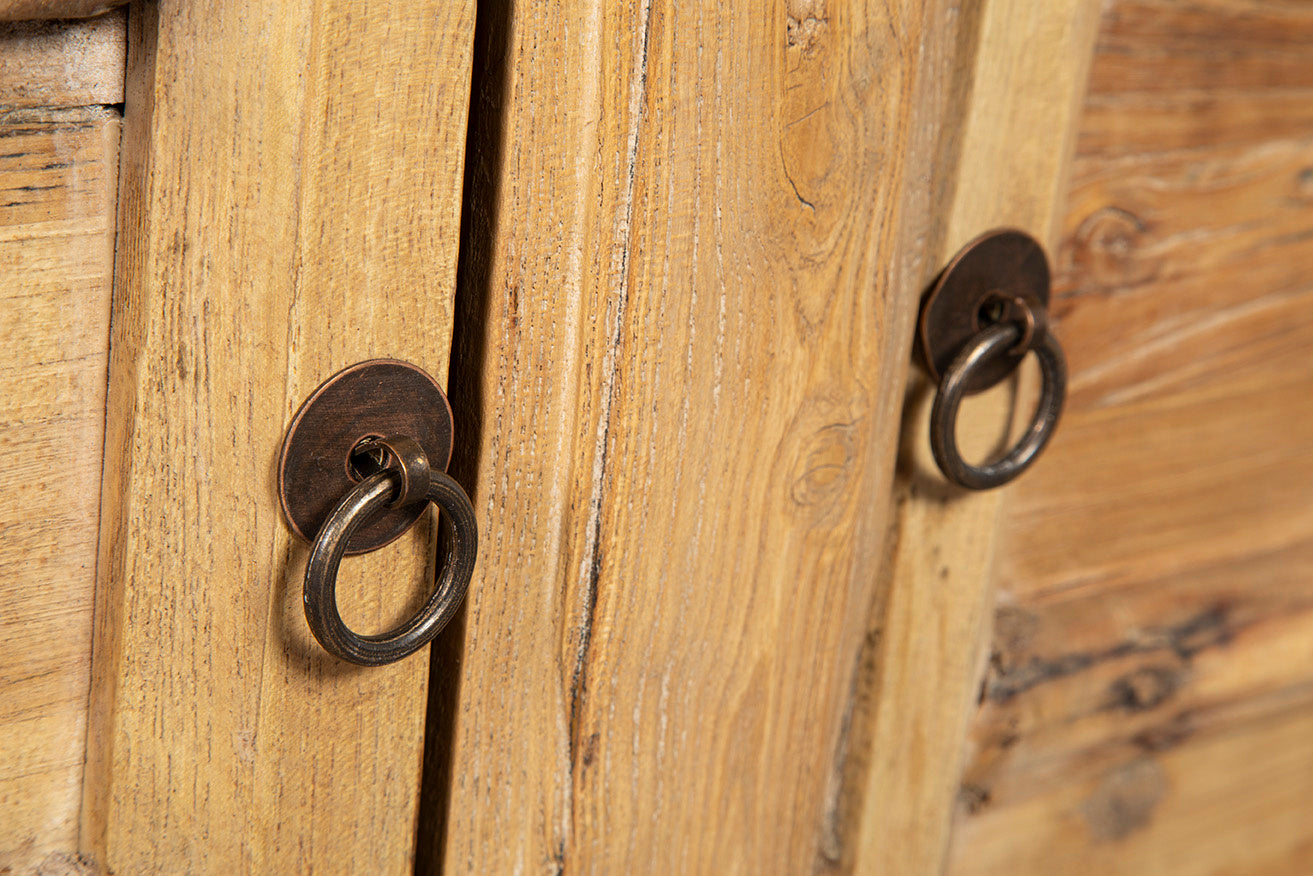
{"points": [[992, 342], [408, 478]]}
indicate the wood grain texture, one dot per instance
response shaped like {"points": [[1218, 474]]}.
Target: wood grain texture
{"points": [[291, 194], [694, 263], [45, 10], [1149, 701], [1029, 62], [63, 63], [58, 172]]}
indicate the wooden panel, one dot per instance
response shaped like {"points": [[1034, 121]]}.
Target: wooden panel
{"points": [[291, 194], [24, 10], [1150, 694], [58, 170], [63, 63], [695, 255], [58, 180], [931, 623], [1180, 76]]}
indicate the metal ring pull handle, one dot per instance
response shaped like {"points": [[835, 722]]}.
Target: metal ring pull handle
{"points": [[363, 459], [990, 343], [409, 479], [986, 311]]}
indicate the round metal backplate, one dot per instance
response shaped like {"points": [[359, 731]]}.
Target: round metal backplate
{"points": [[1003, 264], [378, 398]]}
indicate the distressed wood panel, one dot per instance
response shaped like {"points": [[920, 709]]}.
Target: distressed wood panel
{"points": [[1181, 76], [63, 63], [695, 255], [58, 172], [1149, 698], [291, 198], [1027, 61]]}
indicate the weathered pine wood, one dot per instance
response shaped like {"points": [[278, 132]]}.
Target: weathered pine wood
{"points": [[1150, 696], [44, 10], [696, 250], [58, 177], [1028, 69], [58, 170], [63, 63], [290, 201]]}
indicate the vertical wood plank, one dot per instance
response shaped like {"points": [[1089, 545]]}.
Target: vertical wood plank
{"points": [[291, 197], [1026, 78], [57, 187], [695, 258], [59, 144]]}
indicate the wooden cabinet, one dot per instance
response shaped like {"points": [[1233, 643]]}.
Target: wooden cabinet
{"points": [[726, 617]]}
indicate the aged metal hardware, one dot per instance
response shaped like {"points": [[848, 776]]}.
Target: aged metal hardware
{"points": [[363, 459], [370, 399], [988, 309]]}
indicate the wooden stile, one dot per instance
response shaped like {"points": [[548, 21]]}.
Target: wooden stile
{"points": [[290, 199]]}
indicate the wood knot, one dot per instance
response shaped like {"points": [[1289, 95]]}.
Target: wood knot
{"points": [[1146, 688], [805, 25], [1107, 252], [827, 462], [818, 461]]}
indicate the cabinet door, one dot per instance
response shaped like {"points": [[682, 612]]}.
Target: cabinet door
{"points": [[288, 204], [698, 236]]}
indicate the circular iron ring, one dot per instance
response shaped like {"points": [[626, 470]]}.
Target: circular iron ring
{"points": [[990, 344], [371, 496]]}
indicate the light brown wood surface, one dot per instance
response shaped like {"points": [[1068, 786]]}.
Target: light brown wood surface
{"points": [[58, 181], [696, 249], [1025, 62], [290, 203], [25, 10], [1149, 703], [57, 187], [63, 63]]}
